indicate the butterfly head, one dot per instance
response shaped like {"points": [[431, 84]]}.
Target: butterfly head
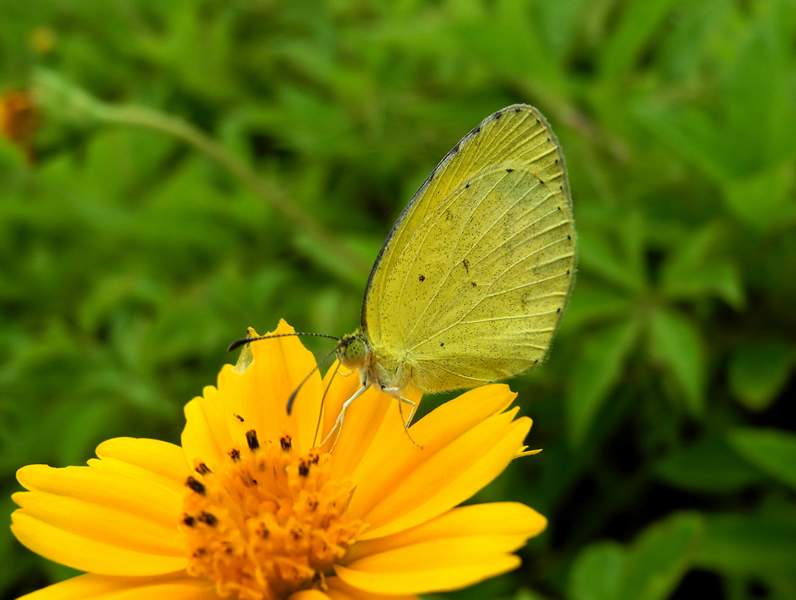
{"points": [[353, 350]]}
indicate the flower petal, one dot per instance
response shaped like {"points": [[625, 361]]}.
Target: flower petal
{"points": [[364, 420], [449, 477], [206, 437], [496, 519], [260, 394], [178, 586], [309, 595], [86, 554], [162, 462], [432, 566], [100, 520], [454, 464], [393, 455], [340, 590]]}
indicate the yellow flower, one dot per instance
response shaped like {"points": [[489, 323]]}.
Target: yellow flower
{"points": [[248, 508]]}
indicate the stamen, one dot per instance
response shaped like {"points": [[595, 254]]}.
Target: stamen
{"points": [[195, 485], [267, 523]]}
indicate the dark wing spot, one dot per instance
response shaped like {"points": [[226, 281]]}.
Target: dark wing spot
{"points": [[442, 344], [556, 161], [509, 170], [478, 129], [422, 278], [569, 237], [567, 271], [466, 264], [473, 283], [537, 120], [558, 310], [455, 149], [498, 115], [467, 185], [516, 110], [541, 180]]}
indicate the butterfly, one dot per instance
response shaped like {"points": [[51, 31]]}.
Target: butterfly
{"points": [[474, 276]]}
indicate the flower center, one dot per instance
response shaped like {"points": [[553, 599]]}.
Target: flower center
{"points": [[267, 522]]}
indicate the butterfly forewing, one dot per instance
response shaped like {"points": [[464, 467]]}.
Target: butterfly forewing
{"points": [[470, 286]]}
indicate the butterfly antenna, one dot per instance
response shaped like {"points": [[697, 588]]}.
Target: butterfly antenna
{"points": [[238, 343], [292, 398], [323, 400]]}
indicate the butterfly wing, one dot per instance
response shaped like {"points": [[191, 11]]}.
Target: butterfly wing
{"points": [[470, 285]]}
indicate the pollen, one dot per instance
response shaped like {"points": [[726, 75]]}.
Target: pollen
{"points": [[268, 521]]}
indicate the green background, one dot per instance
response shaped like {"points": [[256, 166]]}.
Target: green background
{"points": [[129, 260]]}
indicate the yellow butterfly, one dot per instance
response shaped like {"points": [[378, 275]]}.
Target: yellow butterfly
{"points": [[474, 276]]}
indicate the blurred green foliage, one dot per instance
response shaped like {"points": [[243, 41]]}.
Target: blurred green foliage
{"points": [[128, 261]]}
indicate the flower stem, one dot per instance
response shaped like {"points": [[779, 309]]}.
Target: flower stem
{"points": [[57, 94]]}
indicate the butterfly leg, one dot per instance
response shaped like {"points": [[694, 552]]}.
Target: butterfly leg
{"points": [[401, 402], [338, 424]]}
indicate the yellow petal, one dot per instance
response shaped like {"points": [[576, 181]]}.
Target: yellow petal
{"points": [[438, 565], [100, 519], [392, 455], [104, 488], [494, 519], [340, 590], [178, 586], [99, 522], [447, 478], [206, 437], [85, 554], [309, 595], [161, 462], [260, 394], [364, 421]]}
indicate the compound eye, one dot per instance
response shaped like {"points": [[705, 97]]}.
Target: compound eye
{"points": [[355, 351]]}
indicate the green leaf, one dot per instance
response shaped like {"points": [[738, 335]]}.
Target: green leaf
{"points": [[597, 572], [770, 450], [598, 256], [708, 466], [692, 270], [677, 343], [748, 544], [594, 375], [758, 371], [648, 570], [763, 200], [593, 304], [660, 557], [638, 22]]}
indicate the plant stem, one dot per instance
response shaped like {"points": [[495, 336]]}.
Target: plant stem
{"points": [[182, 130]]}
